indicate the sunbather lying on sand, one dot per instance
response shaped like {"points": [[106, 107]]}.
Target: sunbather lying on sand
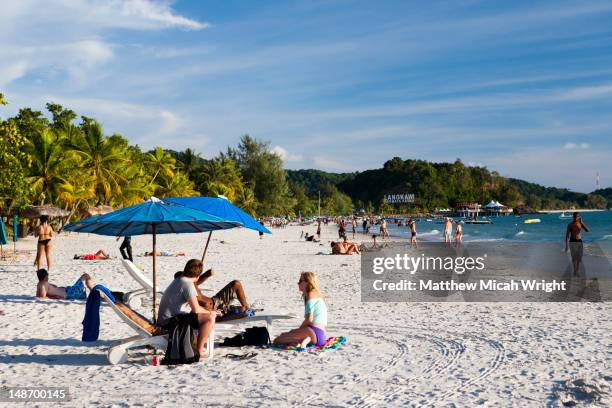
{"points": [[165, 253], [44, 289], [98, 256], [344, 248], [310, 238]]}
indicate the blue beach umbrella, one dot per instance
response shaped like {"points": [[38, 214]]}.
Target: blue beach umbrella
{"points": [[151, 217], [221, 207]]}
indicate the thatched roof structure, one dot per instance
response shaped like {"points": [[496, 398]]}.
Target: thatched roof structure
{"points": [[35, 211], [99, 210]]}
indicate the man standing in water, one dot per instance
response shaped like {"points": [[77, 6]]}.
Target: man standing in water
{"points": [[573, 240], [448, 231], [413, 232]]}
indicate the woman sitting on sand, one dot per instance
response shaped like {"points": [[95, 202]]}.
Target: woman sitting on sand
{"points": [[312, 330], [98, 256]]}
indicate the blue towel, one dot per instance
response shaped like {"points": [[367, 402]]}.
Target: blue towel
{"points": [[91, 321]]}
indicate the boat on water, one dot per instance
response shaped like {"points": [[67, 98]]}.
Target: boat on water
{"points": [[532, 221], [478, 222], [564, 215]]}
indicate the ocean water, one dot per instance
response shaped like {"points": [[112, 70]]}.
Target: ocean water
{"points": [[511, 228]]}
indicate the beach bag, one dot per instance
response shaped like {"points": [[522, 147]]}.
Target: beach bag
{"points": [[253, 336], [257, 336], [180, 349]]}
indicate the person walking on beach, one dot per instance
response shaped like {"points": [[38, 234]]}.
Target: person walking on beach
{"points": [[413, 233], [458, 234], [573, 240], [342, 229], [383, 228], [312, 329], [260, 232], [126, 248], [44, 232], [448, 231], [364, 225], [319, 229], [354, 225]]}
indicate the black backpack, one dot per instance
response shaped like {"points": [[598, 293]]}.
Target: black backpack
{"points": [[253, 336]]}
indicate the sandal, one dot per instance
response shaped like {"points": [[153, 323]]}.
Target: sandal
{"points": [[246, 356]]}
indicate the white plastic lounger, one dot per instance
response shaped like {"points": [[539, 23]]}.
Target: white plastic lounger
{"points": [[143, 281], [148, 334]]}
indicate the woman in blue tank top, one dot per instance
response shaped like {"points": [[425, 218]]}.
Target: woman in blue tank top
{"points": [[312, 330]]}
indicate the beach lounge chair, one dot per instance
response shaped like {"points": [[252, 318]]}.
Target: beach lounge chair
{"points": [[143, 281], [147, 334]]}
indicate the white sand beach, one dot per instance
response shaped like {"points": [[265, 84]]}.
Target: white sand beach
{"points": [[399, 354]]}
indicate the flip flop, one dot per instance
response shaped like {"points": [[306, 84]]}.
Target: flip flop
{"points": [[246, 356]]}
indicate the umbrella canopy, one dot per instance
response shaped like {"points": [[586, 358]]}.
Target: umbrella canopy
{"points": [[143, 218], [151, 217], [221, 207], [35, 211]]}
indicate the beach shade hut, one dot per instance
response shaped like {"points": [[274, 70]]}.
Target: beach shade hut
{"points": [[151, 217], [221, 207], [36, 211], [98, 210]]}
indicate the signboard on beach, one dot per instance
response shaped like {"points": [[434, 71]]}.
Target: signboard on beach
{"points": [[401, 198]]}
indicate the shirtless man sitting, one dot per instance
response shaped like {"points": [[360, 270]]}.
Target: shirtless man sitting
{"points": [[44, 289], [223, 299]]}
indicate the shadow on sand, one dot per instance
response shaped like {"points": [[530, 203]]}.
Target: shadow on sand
{"points": [[56, 359], [54, 342]]}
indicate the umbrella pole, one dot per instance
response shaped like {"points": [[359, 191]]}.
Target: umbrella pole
{"points": [[154, 276], [206, 247]]}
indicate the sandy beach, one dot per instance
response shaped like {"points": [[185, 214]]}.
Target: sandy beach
{"points": [[397, 354]]}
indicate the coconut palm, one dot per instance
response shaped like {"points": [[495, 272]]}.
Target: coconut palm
{"points": [[176, 186], [46, 153], [100, 157], [160, 161], [189, 162]]}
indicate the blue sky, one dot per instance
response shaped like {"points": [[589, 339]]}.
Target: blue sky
{"points": [[524, 88]]}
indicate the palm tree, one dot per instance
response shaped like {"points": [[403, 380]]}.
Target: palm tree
{"points": [[221, 177], [161, 162], [189, 162], [46, 153], [177, 186], [100, 157], [76, 189]]}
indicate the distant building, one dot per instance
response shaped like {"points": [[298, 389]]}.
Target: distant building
{"points": [[468, 210], [495, 208]]}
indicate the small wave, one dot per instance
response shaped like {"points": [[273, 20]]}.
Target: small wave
{"points": [[519, 233], [606, 237], [486, 240], [432, 232]]}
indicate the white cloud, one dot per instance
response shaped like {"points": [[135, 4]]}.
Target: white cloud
{"points": [[285, 155], [569, 146], [68, 36]]}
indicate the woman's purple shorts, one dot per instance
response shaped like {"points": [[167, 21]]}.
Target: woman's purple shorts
{"points": [[320, 334]]}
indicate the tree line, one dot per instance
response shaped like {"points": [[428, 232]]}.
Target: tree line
{"points": [[68, 161]]}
